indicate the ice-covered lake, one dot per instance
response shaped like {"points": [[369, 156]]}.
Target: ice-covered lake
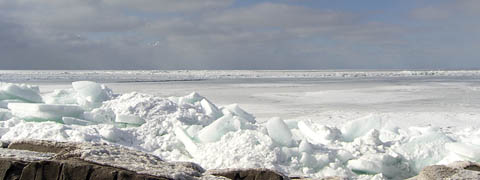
{"points": [[372, 123], [446, 102]]}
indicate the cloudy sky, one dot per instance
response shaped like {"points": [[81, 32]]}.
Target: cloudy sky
{"points": [[239, 34]]}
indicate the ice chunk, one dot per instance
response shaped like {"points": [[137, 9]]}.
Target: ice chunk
{"points": [[113, 134], [308, 160], [469, 151], [129, 119], [5, 114], [240, 123], [2, 94], [388, 165], [186, 140], [321, 135], [44, 112], [287, 153], [371, 138], [21, 91], [217, 129], [61, 96], [279, 132], [193, 130], [344, 155], [292, 123], [210, 109], [425, 149], [90, 93], [192, 98], [100, 116], [360, 127], [4, 103], [236, 110], [305, 146], [72, 120]]}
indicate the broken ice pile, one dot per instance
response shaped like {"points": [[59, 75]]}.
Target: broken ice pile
{"points": [[191, 128], [68, 105]]}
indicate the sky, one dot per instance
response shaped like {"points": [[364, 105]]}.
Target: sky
{"points": [[239, 34]]}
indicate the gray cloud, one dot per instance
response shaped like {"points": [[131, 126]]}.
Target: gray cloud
{"points": [[449, 9], [212, 34], [169, 5]]}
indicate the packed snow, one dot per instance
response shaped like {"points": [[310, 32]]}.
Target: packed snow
{"points": [[193, 128]]}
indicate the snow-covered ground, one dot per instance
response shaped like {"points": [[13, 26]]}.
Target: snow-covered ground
{"points": [[331, 123]]}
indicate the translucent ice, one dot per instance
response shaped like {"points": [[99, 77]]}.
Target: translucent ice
{"points": [[102, 116], [236, 110], [192, 98], [186, 140], [424, 149], [90, 93], [5, 114], [210, 109], [305, 146], [21, 91], [193, 130], [76, 121], [217, 129], [308, 160], [388, 165], [360, 127], [44, 112], [129, 119], [318, 134], [61, 96], [279, 132], [4, 103]]}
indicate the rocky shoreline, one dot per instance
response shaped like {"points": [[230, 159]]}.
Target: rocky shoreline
{"points": [[47, 160]]}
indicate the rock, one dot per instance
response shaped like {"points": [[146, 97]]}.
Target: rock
{"points": [[248, 174], [323, 178], [47, 160], [40, 146], [63, 170], [456, 170], [4, 144], [11, 169]]}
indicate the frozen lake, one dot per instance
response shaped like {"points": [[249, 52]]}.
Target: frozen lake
{"points": [[355, 124], [441, 102]]}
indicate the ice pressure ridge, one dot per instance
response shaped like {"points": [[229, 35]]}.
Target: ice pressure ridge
{"points": [[192, 128]]}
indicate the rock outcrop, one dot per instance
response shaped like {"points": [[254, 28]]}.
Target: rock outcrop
{"points": [[456, 170], [47, 160], [263, 174]]}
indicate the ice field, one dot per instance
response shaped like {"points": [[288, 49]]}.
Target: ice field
{"points": [[357, 124]]}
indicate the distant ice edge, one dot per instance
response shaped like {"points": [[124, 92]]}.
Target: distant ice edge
{"points": [[192, 128], [190, 75]]}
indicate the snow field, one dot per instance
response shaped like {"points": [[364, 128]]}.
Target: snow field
{"points": [[192, 128]]}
